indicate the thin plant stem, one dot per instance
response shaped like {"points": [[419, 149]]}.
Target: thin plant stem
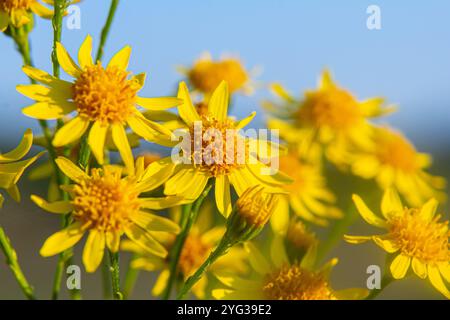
{"points": [[13, 263], [385, 281], [189, 215], [115, 275], [105, 280], [220, 250], [106, 28]]}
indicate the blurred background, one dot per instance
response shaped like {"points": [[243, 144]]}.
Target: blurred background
{"points": [[407, 62]]}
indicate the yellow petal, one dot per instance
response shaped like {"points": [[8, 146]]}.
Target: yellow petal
{"points": [[163, 203], [121, 141], [161, 283], [281, 92], [278, 253], [62, 240], [429, 209], [152, 222], [96, 140], [21, 150], [47, 79], [151, 125], [66, 61], [279, 220], [113, 240], [244, 122], [385, 243], [70, 169], [351, 294], [419, 268], [436, 281], [218, 104], [85, 53], [121, 59], [145, 240], [258, 262], [161, 103], [326, 81], [4, 21], [156, 174], [19, 17], [93, 250], [367, 214], [44, 94], [186, 110], [400, 266], [391, 203], [222, 194], [41, 10], [139, 80], [356, 239], [70, 132], [62, 207], [49, 111]]}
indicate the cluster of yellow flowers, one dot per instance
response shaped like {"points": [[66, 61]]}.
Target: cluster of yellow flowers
{"points": [[163, 206]]}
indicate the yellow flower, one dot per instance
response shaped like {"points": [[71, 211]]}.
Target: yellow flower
{"points": [[394, 162], [329, 119], [108, 206], [18, 12], [201, 241], [105, 100], [236, 167], [415, 235], [299, 238], [280, 279], [11, 168], [206, 74], [307, 195]]}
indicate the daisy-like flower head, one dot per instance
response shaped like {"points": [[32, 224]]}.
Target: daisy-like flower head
{"points": [[307, 195], [330, 119], [107, 205], [206, 74], [415, 235], [105, 100], [18, 12], [394, 162], [276, 278], [12, 167], [216, 150], [201, 241]]}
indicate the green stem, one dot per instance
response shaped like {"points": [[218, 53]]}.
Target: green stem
{"points": [[59, 7], [220, 250], [130, 279], [12, 261], [189, 215], [115, 275], [106, 28], [385, 281], [105, 280]]}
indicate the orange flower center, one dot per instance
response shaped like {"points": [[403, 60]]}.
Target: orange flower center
{"points": [[333, 108], [217, 147], [10, 5], [420, 238], [296, 283], [105, 95], [396, 151], [207, 75], [297, 171], [105, 201], [193, 254]]}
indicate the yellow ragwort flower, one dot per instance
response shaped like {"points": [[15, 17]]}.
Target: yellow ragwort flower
{"points": [[329, 119], [12, 168], [104, 98], [206, 74], [307, 195], [107, 205], [236, 167], [18, 12], [415, 235], [279, 279], [394, 162], [201, 241]]}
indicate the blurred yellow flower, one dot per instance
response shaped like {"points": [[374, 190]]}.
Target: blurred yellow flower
{"points": [[307, 195], [105, 100], [11, 169], [279, 279], [18, 12], [415, 235], [201, 241], [394, 162], [329, 119], [237, 167], [107, 205], [206, 74]]}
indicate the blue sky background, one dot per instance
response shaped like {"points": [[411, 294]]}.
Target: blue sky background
{"points": [[407, 61]]}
